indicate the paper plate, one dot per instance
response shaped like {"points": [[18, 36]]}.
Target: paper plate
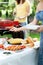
{"points": [[32, 27]]}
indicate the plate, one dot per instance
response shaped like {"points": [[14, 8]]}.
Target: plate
{"points": [[32, 27]]}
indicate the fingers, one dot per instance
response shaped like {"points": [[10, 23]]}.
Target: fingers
{"points": [[38, 30], [13, 29], [9, 27]]}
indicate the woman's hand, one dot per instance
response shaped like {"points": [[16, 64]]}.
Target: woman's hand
{"points": [[8, 28], [40, 29], [13, 29]]}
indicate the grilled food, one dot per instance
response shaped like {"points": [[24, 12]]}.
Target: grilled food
{"points": [[30, 41], [15, 41], [14, 48]]}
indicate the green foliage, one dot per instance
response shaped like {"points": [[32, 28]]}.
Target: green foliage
{"points": [[7, 7], [6, 35], [31, 17], [35, 35], [0, 13], [34, 7], [39, 23]]}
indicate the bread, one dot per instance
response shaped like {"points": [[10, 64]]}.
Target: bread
{"points": [[15, 41], [29, 40]]}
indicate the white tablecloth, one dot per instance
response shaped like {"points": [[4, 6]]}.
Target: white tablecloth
{"points": [[27, 56]]}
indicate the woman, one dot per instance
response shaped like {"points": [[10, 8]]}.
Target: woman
{"points": [[38, 17], [21, 11]]}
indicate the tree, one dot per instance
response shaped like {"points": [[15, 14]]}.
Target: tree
{"points": [[30, 18]]}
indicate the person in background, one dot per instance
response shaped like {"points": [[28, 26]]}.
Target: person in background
{"points": [[38, 17], [21, 11]]}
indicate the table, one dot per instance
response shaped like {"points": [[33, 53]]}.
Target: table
{"points": [[28, 56]]}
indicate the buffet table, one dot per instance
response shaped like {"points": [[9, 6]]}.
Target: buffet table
{"points": [[28, 56]]}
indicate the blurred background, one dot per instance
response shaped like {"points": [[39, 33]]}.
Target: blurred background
{"points": [[6, 10], [7, 6]]}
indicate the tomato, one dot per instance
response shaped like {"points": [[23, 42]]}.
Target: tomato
{"points": [[2, 46]]}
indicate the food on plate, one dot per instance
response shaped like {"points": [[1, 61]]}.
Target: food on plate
{"points": [[14, 48], [1, 46], [24, 41], [15, 41], [29, 42], [35, 39], [29, 45]]}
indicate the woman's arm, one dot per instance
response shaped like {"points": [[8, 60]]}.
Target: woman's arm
{"points": [[24, 28], [34, 22], [40, 29]]}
